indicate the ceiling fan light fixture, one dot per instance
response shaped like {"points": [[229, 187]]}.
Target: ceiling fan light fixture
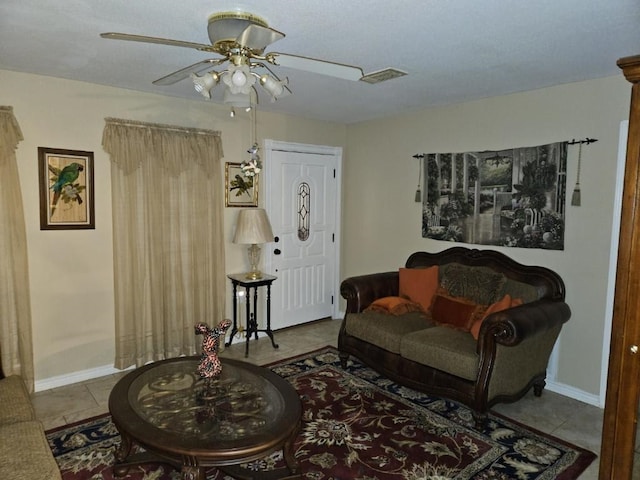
{"points": [[203, 84], [273, 86], [239, 79]]}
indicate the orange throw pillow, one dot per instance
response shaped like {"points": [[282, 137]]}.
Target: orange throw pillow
{"points": [[502, 304], [455, 312], [394, 306], [419, 285]]}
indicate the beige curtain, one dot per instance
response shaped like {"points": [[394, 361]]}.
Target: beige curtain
{"points": [[167, 195], [15, 304]]}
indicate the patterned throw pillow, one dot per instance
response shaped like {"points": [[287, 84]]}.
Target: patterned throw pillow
{"points": [[394, 306], [480, 284]]}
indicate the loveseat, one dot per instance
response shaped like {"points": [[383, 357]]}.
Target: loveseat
{"points": [[470, 325], [24, 450]]}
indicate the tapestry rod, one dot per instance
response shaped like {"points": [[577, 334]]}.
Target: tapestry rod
{"points": [[573, 141], [585, 141]]}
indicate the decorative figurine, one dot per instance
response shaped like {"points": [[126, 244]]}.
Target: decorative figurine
{"points": [[210, 365]]}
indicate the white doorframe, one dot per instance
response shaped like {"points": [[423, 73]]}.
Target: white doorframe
{"points": [[613, 257], [274, 145]]}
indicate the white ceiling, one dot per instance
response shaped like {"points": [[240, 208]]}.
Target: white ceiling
{"points": [[453, 50]]}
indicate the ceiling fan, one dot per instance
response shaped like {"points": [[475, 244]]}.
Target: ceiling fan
{"points": [[240, 39]]}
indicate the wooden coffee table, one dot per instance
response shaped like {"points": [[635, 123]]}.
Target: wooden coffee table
{"points": [[191, 423]]}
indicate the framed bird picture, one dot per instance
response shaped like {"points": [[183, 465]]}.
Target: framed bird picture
{"points": [[66, 189], [240, 190]]}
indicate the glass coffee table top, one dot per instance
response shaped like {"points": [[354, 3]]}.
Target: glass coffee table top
{"points": [[175, 415], [236, 404]]}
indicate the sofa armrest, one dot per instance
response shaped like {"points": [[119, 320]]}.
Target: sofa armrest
{"points": [[514, 325], [514, 347], [360, 291]]}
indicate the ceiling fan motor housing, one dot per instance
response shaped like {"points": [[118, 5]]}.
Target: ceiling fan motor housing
{"points": [[225, 27]]}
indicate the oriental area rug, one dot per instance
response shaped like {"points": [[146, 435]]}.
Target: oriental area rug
{"points": [[359, 425]]}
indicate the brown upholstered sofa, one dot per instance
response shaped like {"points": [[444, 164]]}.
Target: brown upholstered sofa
{"points": [[418, 350], [24, 450]]}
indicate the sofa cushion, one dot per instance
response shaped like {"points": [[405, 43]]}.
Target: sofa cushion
{"points": [[394, 306], [25, 453], [419, 284], [385, 331], [15, 404], [446, 349], [455, 312], [480, 284]]}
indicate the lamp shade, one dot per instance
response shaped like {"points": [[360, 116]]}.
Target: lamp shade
{"points": [[253, 227], [205, 83]]}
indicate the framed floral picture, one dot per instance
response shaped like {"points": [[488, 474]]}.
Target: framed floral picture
{"points": [[240, 190], [66, 189]]}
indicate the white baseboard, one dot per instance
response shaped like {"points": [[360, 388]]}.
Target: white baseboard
{"points": [[75, 377], [575, 393], [93, 373]]}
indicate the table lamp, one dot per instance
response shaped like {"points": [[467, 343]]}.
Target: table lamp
{"points": [[253, 227]]}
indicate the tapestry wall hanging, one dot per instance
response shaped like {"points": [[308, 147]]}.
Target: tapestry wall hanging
{"points": [[512, 198]]}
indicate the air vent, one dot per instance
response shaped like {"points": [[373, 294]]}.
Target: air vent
{"points": [[383, 75]]}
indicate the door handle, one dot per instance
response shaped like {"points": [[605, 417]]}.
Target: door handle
{"points": [[277, 251]]}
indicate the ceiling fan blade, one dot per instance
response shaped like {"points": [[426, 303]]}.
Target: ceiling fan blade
{"points": [[185, 72], [158, 40], [323, 67], [257, 37]]}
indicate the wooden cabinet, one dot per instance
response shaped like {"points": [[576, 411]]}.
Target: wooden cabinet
{"points": [[623, 387]]}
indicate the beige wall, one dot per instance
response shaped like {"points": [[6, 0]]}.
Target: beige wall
{"points": [[71, 272], [381, 222]]}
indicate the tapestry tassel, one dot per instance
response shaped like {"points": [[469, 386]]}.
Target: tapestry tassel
{"points": [[575, 198], [418, 197]]}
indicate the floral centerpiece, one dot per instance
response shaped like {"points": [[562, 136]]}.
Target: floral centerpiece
{"points": [[250, 170], [252, 167]]}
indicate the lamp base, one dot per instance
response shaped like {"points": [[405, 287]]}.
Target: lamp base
{"points": [[254, 259]]}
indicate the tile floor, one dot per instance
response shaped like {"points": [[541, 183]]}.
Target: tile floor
{"points": [[555, 414]]}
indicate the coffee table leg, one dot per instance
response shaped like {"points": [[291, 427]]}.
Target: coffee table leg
{"points": [[191, 470], [287, 453], [121, 454]]}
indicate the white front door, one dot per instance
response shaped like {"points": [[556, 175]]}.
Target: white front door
{"points": [[302, 201]]}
